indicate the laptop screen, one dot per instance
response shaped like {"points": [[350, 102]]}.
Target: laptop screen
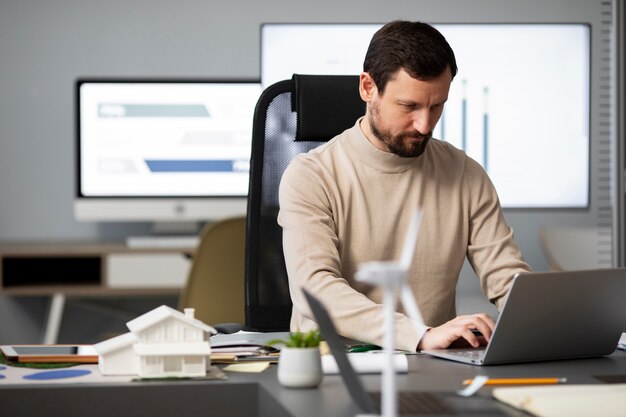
{"points": [[350, 378]]}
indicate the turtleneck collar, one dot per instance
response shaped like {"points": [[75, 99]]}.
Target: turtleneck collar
{"points": [[376, 158]]}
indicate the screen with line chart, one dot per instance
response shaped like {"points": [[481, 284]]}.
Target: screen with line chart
{"points": [[163, 150], [519, 104]]}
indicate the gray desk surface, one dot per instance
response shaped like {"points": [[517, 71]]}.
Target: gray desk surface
{"points": [[261, 395]]}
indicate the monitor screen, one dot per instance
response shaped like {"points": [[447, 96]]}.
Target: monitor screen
{"points": [[519, 104], [143, 143]]}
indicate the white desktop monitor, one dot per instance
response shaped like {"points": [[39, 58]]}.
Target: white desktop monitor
{"points": [[519, 104], [163, 150]]}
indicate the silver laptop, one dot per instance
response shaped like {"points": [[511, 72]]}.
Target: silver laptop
{"points": [[409, 403], [554, 315]]}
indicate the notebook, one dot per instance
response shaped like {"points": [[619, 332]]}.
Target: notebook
{"points": [[598, 400], [409, 403], [554, 315]]}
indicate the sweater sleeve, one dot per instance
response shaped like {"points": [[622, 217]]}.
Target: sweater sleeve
{"points": [[312, 257], [492, 251]]}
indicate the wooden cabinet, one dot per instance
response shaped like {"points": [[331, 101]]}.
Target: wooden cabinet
{"points": [[63, 270], [87, 268]]}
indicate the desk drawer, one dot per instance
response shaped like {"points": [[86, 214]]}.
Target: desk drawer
{"points": [[163, 270], [50, 270]]}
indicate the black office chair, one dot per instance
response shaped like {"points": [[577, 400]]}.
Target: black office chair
{"points": [[291, 117]]}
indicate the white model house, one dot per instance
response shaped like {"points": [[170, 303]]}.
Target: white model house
{"points": [[116, 356], [162, 343]]}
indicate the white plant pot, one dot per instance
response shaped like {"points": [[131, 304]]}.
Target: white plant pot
{"points": [[300, 367]]}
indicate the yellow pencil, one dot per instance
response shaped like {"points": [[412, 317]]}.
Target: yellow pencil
{"points": [[520, 381]]}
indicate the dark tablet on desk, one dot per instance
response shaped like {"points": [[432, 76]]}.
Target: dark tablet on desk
{"points": [[50, 353]]}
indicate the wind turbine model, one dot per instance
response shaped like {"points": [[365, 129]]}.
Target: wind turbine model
{"points": [[392, 277]]}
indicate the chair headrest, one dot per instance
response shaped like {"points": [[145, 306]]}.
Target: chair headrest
{"points": [[326, 105]]}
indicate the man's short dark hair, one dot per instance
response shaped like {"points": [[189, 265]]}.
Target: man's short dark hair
{"points": [[418, 48]]}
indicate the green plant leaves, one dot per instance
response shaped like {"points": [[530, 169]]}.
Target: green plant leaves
{"points": [[300, 340]]}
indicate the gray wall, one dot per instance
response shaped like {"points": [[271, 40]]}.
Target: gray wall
{"points": [[45, 45]]}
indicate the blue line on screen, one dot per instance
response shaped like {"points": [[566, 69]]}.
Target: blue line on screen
{"points": [[464, 118], [177, 165], [485, 131]]}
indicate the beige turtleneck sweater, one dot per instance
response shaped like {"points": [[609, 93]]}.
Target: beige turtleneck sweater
{"points": [[347, 202]]}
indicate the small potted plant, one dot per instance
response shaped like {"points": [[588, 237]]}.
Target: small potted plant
{"points": [[300, 365]]}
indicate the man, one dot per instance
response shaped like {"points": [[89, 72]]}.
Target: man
{"points": [[351, 200]]}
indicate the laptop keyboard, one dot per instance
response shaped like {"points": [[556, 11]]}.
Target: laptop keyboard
{"points": [[470, 353], [418, 403]]}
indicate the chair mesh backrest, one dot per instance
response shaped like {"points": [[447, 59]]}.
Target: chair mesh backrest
{"points": [[267, 299]]}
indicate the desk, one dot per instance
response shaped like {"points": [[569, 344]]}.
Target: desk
{"points": [[261, 395], [89, 269]]}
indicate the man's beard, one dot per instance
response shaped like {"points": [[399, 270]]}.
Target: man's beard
{"points": [[396, 144]]}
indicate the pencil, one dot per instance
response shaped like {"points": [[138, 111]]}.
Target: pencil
{"points": [[520, 381]]}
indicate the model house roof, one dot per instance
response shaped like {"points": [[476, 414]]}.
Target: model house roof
{"points": [[115, 343], [162, 313]]}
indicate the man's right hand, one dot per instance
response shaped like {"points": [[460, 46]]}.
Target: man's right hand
{"points": [[458, 330]]}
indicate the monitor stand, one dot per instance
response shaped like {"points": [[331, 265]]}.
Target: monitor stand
{"points": [[168, 235]]}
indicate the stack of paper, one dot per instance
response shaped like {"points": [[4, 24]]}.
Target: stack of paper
{"points": [[244, 347], [601, 400], [240, 353]]}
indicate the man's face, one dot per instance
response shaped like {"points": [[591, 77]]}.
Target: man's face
{"points": [[402, 119]]}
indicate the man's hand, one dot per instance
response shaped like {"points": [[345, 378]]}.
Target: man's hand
{"points": [[459, 331]]}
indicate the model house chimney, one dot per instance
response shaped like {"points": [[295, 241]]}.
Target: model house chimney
{"points": [[189, 312]]}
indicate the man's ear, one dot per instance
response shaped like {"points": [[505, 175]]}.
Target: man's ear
{"points": [[367, 87]]}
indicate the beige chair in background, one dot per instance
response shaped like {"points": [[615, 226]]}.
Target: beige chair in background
{"points": [[215, 286]]}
